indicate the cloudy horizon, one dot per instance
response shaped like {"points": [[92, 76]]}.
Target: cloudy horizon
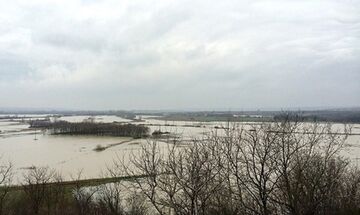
{"points": [[233, 54]]}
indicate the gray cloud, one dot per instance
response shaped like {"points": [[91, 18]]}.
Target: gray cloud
{"points": [[179, 54]]}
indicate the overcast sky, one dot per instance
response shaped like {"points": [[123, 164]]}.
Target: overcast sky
{"points": [[163, 54]]}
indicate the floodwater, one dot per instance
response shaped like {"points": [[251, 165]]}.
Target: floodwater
{"points": [[70, 154]]}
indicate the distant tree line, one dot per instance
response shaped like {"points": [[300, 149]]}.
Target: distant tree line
{"points": [[321, 116], [100, 129]]}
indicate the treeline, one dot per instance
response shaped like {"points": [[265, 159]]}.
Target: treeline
{"points": [[338, 116], [44, 192], [100, 129], [345, 116], [274, 168], [66, 113]]}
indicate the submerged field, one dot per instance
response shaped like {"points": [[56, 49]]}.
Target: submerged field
{"points": [[28, 148], [177, 166]]}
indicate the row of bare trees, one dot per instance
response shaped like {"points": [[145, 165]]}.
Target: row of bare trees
{"points": [[44, 192], [272, 168], [6, 175]]}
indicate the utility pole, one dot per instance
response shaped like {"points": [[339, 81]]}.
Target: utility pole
{"points": [[35, 135]]}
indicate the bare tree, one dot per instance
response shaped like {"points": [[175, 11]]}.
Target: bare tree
{"points": [[145, 169], [180, 180], [83, 196], [6, 175], [36, 186], [136, 204], [110, 198], [56, 195], [284, 167]]}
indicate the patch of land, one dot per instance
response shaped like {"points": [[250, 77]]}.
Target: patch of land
{"points": [[100, 148]]}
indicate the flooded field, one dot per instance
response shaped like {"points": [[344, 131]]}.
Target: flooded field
{"points": [[26, 147]]}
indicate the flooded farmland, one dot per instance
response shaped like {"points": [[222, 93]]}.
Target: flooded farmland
{"points": [[27, 148]]}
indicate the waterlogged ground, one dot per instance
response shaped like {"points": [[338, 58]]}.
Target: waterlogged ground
{"points": [[69, 154]]}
